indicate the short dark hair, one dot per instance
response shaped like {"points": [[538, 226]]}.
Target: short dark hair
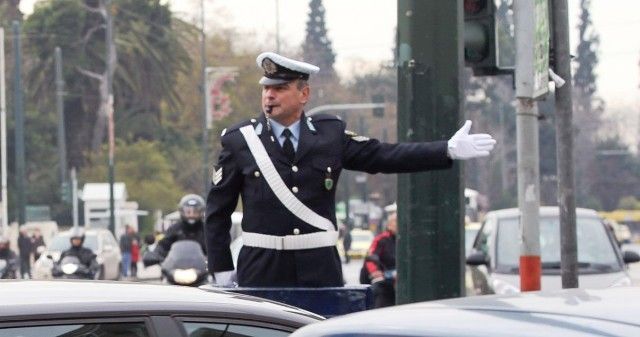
{"points": [[301, 84]]}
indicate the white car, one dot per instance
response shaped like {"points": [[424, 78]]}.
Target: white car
{"points": [[100, 241], [564, 313], [494, 259]]}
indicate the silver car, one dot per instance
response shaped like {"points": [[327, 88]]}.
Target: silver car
{"points": [[100, 241], [565, 313], [495, 257]]}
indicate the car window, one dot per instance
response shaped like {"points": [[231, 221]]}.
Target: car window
{"points": [[196, 329], [62, 243], [594, 246], [79, 330]]}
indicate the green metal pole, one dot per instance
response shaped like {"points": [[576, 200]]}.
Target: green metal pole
{"points": [[62, 145], [430, 247], [111, 161], [21, 183]]}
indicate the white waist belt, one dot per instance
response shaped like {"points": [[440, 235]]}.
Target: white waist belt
{"points": [[290, 242]]}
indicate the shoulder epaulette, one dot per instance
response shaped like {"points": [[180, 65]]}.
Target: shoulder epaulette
{"points": [[324, 117], [237, 126]]}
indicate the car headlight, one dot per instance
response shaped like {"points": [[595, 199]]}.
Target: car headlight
{"points": [[503, 288], [69, 268], [623, 282], [185, 276]]}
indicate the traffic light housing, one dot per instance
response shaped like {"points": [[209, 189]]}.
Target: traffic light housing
{"points": [[480, 38]]}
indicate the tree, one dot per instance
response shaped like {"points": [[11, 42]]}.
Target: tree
{"points": [[588, 107], [317, 46]]}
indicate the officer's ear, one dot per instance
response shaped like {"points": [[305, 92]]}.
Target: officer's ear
{"points": [[305, 91]]}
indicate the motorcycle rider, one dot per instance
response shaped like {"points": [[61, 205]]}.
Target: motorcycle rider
{"points": [[85, 255], [381, 262], [190, 226], [10, 256]]}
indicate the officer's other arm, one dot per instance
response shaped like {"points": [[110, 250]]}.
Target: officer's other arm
{"points": [[221, 202]]}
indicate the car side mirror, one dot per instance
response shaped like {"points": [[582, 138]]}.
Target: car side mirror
{"points": [[630, 256], [477, 258]]}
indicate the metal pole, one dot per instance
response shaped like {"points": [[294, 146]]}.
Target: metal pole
{"points": [[528, 193], [430, 254], [205, 131], [109, 56], [564, 147], [74, 196], [21, 184], [3, 136], [347, 106], [62, 147]]}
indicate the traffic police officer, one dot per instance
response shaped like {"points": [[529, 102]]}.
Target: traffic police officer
{"points": [[286, 167]]}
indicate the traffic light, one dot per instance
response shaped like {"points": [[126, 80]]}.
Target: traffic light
{"points": [[480, 38], [65, 192], [378, 112]]}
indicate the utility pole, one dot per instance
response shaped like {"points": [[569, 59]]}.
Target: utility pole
{"points": [[74, 196], [532, 74], [21, 183], [203, 85], [3, 136], [564, 147], [62, 146], [110, 65], [430, 219]]}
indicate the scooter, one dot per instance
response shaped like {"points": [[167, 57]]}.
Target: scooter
{"points": [[6, 270], [70, 267], [185, 264]]}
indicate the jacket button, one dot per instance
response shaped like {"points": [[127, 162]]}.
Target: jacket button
{"points": [[294, 168], [257, 174], [296, 231], [294, 189]]}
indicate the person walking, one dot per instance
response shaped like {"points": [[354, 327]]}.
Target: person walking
{"points": [[25, 248], [286, 165], [126, 240]]}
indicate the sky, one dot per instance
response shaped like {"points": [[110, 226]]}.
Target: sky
{"points": [[362, 33]]}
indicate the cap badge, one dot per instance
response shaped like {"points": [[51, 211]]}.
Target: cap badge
{"points": [[269, 66]]}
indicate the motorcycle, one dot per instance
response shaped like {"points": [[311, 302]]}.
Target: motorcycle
{"points": [[70, 267], [185, 264], [6, 270]]}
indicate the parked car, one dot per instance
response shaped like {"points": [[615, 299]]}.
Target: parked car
{"points": [[94, 308], [571, 312], [100, 241], [360, 242], [496, 252]]}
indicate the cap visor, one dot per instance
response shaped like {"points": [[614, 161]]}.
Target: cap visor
{"points": [[272, 81]]}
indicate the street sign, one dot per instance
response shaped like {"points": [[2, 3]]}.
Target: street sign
{"points": [[532, 48]]}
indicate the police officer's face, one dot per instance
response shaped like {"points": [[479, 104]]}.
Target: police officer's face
{"points": [[284, 102], [76, 242]]}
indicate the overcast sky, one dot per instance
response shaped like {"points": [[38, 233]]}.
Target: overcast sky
{"points": [[362, 32]]}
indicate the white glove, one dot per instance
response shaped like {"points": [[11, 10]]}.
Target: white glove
{"points": [[464, 146], [226, 278]]}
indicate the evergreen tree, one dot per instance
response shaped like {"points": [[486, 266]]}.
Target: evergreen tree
{"points": [[587, 109], [317, 46]]}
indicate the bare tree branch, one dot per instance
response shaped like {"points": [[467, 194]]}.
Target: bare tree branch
{"points": [[91, 74]]}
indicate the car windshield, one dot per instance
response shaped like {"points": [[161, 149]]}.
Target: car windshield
{"points": [[595, 250], [61, 242], [361, 236]]}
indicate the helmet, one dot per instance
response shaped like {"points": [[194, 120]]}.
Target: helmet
{"points": [[191, 208], [77, 233]]}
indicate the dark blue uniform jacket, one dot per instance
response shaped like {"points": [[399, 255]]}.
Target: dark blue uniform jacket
{"points": [[327, 148]]}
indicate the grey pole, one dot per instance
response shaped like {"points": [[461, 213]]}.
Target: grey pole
{"points": [[110, 65], [564, 147], [74, 196], [3, 136], [62, 146], [21, 183], [203, 85]]}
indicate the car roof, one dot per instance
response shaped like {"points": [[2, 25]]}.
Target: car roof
{"points": [[495, 315], [544, 211], [22, 299], [92, 231]]}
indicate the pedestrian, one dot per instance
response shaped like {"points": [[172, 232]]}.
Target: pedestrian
{"points": [[125, 248], [25, 247], [380, 262], [285, 165], [38, 245], [135, 257], [346, 243]]}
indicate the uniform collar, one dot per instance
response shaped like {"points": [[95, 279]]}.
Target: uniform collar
{"points": [[278, 128]]}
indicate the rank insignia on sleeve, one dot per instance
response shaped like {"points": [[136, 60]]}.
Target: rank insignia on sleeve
{"points": [[217, 176], [355, 136]]}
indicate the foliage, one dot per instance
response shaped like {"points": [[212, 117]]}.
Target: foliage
{"points": [[146, 171], [629, 202]]}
